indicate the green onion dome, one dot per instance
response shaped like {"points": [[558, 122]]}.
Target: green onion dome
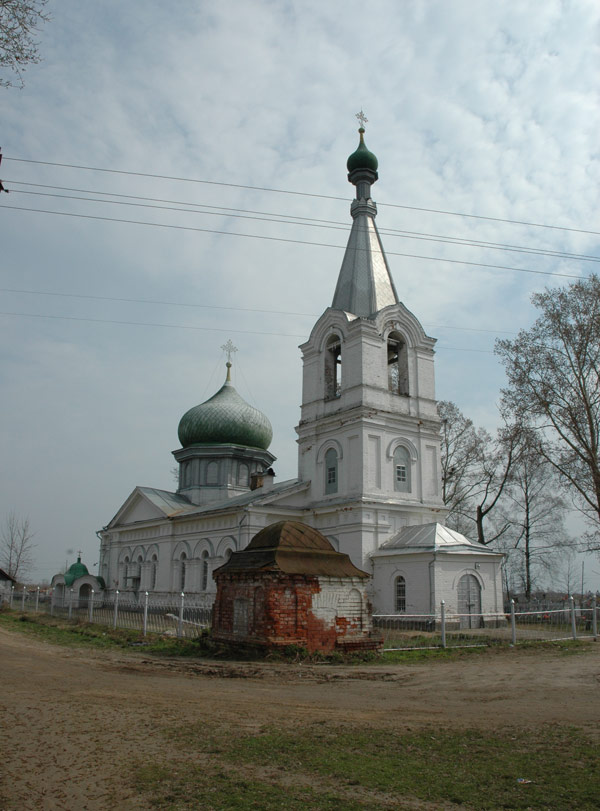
{"points": [[74, 571], [362, 158], [225, 419]]}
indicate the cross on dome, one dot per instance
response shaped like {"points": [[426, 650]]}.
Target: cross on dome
{"points": [[362, 118], [229, 348]]}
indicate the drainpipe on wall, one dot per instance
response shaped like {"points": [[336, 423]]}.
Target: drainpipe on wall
{"points": [[432, 603]]}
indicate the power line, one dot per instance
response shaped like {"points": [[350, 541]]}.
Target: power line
{"points": [[215, 307], [298, 193], [288, 240], [190, 327], [290, 219]]}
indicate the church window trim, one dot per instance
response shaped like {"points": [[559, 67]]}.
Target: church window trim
{"points": [[400, 594], [331, 471], [402, 469]]}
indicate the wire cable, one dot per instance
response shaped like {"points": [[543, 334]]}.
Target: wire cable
{"points": [[290, 219], [297, 193], [234, 330], [287, 240]]}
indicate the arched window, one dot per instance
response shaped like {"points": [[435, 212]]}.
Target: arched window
{"points": [[212, 473], [331, 471], [182, 571], [154, 571], [397, 362], [204, 570], [333, 367], [243, 475], [227, 554], [400, 595], [402, 477]]}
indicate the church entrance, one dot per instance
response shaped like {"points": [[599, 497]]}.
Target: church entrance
{"points": [[469, 601]]}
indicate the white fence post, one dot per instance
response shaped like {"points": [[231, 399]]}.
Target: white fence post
{"points": [[594, 620], [146, 614], [116, 608], [573, 622], [37, 600], [12, 594], [70, 603], [52, 598], [180, 623], [91, 615], [443, 622], [513, 624], [23, 599]]}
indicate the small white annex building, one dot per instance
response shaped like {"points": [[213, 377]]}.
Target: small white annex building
{"points": [[368, 454], [422, 565]]}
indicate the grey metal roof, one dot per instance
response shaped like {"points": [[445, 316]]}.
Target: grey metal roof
{"points": [[432, 536], [167, 502], [365, 283]]}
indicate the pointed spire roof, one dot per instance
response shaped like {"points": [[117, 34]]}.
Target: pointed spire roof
{"points": [[365, 283]]}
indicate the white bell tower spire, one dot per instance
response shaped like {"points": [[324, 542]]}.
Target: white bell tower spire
{"points": [[368, 437]]}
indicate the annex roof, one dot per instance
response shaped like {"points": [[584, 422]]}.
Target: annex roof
{"points": [[292, 547], [432, 537]]}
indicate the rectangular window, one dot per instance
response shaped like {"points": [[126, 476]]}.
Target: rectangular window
{"points": [[400, 473], [331, 475]]}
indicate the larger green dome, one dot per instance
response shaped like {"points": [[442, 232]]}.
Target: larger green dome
{"points": [[225, 419], [74, 571], [362, 158]]}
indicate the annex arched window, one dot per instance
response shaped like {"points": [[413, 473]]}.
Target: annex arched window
{"points": [[331, 471], [182, 561], [204, 570], [397, 364], [333, 367], [400, 595], [402, 472]]}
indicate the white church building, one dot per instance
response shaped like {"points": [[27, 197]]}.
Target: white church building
{"points": [[368, 459]]}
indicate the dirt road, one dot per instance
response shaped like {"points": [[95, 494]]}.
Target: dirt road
{"points": [[74, 719]]}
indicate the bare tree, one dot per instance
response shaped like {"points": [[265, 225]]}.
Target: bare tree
{"points": [[19, 20], [535, 512], [554, 375], [16, 546], [475, 472], [462, 452]]}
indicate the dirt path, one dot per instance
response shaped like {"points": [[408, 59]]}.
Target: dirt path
{"points": [[73, 719]]}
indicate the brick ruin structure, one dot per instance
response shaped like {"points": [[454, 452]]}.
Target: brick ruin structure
{"points": [[290, 587]]}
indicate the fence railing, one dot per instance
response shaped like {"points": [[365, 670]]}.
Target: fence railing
{"points": [[184, 618], [187, 618], [448, 629]]}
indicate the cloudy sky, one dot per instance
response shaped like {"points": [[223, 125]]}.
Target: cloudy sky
{"points": [[160, 160]]}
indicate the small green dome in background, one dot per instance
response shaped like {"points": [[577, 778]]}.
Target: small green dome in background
{"points": [[74, 571], [225, 419], [362, 158]]}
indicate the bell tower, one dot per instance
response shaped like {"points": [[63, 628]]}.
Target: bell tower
{"points": [[368, 437]]}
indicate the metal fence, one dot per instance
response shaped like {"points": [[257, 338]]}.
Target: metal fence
{"points": [[185, 618], [445, 629]]}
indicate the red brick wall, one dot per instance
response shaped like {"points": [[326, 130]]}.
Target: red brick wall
{"points": [[274, 609]]}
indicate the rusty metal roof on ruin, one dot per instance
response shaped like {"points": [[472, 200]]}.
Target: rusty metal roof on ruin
{"points": [[291, 547]]}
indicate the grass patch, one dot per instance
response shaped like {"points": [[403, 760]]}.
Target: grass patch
{"points": [[192, 786], [71, 633], [470, 768]]}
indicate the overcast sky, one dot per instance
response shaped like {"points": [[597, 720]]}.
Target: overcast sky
{"points": [[110, 331]]}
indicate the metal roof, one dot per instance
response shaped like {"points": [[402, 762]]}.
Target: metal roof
{"points": [[292, 547], [435, 537]]}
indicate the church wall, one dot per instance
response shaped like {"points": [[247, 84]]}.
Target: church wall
{"points": [[450, 569]]}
